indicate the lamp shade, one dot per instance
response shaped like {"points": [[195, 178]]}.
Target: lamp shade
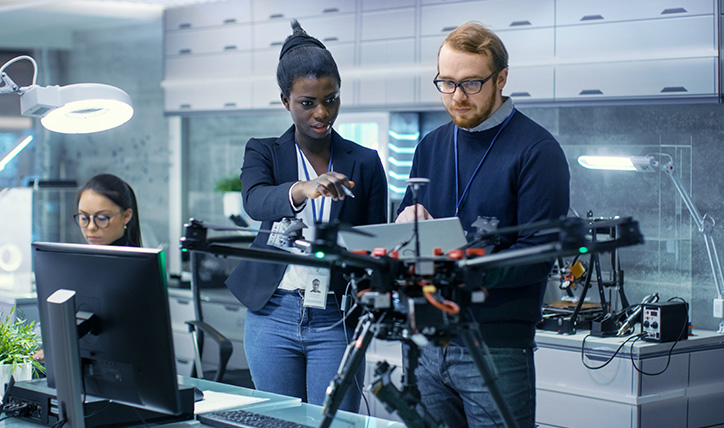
{"points": [[78, 109]]}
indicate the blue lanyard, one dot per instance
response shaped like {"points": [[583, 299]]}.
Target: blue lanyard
{"points": [[306, 174], [461, 198]]}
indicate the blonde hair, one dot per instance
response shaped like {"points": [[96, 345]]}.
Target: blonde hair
{"points": [[475, 38]]}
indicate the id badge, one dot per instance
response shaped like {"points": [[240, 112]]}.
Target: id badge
{"points": [[316, 287]]}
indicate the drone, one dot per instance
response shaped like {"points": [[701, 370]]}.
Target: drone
{"points": [[417, 300]]}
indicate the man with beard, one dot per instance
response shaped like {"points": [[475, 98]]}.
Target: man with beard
{"points": [[489, 161]]}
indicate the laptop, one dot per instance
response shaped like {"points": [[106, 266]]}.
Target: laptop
{"points": [[445, 233]]}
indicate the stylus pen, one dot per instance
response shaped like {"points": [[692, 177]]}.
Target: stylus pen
{"points": [[348, 192]]}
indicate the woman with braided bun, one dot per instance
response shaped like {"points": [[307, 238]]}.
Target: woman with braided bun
{"points": [[294, 338]]}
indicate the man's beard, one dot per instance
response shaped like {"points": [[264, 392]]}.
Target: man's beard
{"points": [[473, 118]]}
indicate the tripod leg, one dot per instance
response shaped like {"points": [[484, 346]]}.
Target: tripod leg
{"points": [[474, 345], [351, 362]]}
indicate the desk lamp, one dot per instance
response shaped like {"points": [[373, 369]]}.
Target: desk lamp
{"points": [[73, 109], [705, 224]]}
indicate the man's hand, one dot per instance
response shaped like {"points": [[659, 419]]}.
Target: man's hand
{"points": [[408, 214]]}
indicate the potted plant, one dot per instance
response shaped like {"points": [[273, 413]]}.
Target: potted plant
{"points": [[19, 342], [230, 187]]}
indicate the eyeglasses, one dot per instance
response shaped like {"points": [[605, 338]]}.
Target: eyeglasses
{"points": [[469, 87], [101, 220]]}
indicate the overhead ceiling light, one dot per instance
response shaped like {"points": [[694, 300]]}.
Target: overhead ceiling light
{"points": [[73, 109]]}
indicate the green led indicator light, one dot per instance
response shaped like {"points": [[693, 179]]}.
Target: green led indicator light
{"points": [[319, 254], [583, 250]]}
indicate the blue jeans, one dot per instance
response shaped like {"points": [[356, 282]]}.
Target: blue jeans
{"points": [[291, 353], [453, 390]]}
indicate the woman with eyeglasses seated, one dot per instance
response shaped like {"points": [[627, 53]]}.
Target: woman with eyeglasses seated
{"points": [[108, 213]]}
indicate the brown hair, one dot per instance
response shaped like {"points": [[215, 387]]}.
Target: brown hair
{"points": [[121, 194], [475, 38]]}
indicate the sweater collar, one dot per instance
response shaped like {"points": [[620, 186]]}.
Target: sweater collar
{"points": [[496, 118]]}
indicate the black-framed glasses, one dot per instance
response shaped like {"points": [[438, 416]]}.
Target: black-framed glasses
{"points": [[469, 87], [101, 220]]}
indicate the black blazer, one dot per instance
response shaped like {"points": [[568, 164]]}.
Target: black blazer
{"points": [[269, 170]]}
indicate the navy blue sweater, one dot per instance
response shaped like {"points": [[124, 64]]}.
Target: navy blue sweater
{"points": [[524, 178]]}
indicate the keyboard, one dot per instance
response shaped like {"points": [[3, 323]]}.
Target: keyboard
{"points": [[244, 419]]}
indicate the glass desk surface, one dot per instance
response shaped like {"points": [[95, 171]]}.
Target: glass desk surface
{"points": [[289, 408], [275, 405]]}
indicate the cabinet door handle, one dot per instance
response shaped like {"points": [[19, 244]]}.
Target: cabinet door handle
{"points": [[274, 103], [184, 26], [520, 23], [230, 48], [229, 105], [230, 21], [186, 51], [276, 16], [520, 94], [232, 308], [448, 29], [185, 106], [331, 10], [591, 92], [276, 43], [330, 39], [670, 89], [591, 17], [674, 10], [183, 301], [597, 357]]}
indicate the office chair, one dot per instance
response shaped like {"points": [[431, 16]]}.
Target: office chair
{"points": [[200, 330]]}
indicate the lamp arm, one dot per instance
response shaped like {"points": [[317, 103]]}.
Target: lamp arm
{"points": [[11, 87], [704, 224]]}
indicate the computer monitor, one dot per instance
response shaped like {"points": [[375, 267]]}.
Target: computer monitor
{"points": [[129, 357]]}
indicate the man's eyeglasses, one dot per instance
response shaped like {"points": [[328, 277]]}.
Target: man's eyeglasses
{"points": [[101, 220], [469, 87]]}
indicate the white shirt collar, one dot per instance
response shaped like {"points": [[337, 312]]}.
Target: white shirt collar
{"points": [[496, 118]]}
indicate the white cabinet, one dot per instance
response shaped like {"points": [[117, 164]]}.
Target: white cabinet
{"points": [[209, 40], [386, 4], [379, 351], [690, 37], [388, 24], [637, 79], [496, 14], [285, 10], [207, 51], [645, 59], [198, 68], [210, 95], [570, 12], [227, 316], [640, 387], [530, 83], [181, 309], [207, 15], [397, 86], [328, 29], [222, 56]]}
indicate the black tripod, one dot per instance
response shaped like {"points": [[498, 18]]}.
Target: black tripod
{"points": [[405, 400]]}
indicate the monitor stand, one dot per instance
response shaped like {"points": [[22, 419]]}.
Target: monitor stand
{"points": [[98, 412]]}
